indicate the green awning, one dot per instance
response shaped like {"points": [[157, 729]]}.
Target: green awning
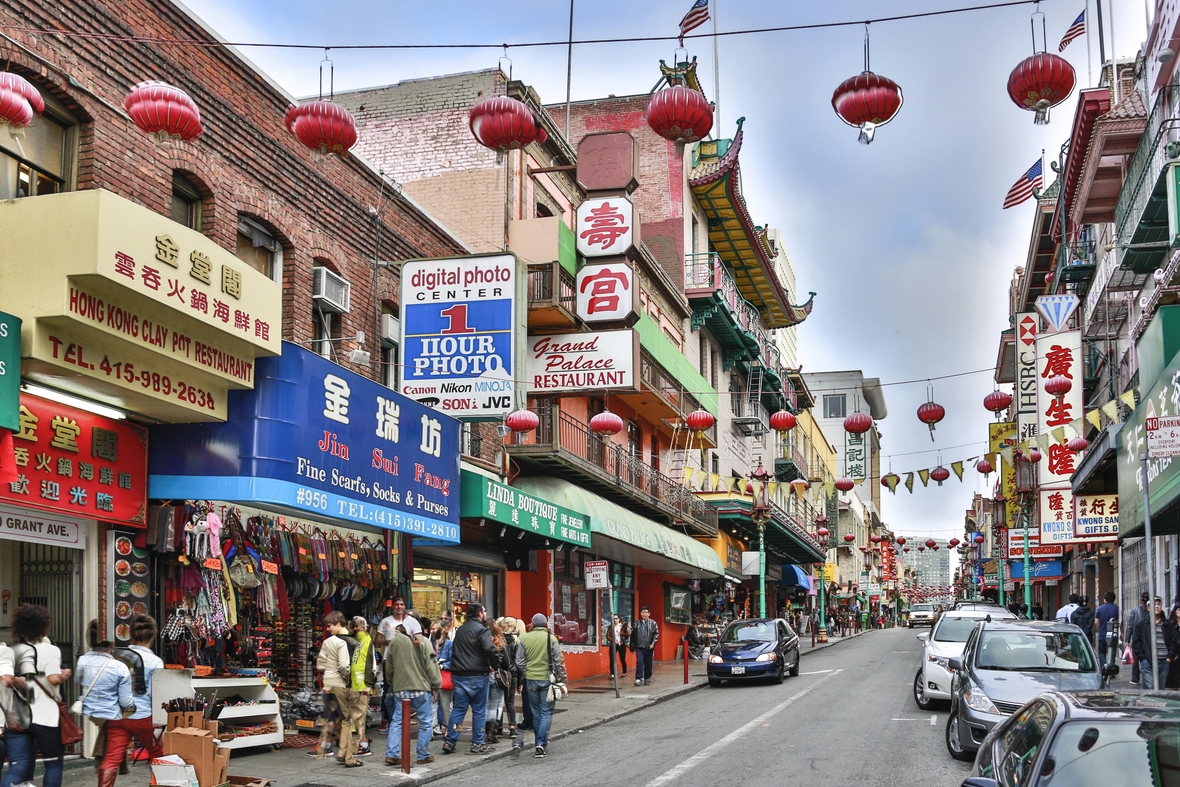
{"points": [[652, 339], [655, 546], [484, 497]]}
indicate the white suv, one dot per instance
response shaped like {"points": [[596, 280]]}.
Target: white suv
{"points": [[944, 642], [921, 615]]}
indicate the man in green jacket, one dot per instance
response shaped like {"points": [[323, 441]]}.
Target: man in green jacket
{"points": [[411, 671], [539, 655]]}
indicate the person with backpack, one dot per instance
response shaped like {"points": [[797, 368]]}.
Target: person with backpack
{"points": [[106, 695], [411, 672], [335, 664], [38, 661], [364, 676], [1083, 618]]}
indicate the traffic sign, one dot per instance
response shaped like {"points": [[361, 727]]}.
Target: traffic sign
{"points": [[1163, 436], [597, 574]]}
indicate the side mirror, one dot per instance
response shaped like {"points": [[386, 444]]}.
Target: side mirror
{"points": [[956, 664], [979, 781], [1110, 670], [923, 636]]}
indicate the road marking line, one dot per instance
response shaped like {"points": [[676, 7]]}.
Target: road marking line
{"points": [[905, 719], [934, 720], [734, 736], [816, 672]]}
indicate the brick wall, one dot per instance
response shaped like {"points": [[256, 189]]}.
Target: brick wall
{"points": [[246, 161]]}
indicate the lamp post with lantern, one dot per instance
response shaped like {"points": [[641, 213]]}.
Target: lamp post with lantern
{"points": [[761, 516], [821, 535]]}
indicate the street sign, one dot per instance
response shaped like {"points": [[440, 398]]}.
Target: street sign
{"points": [[1163, 436], [597, 574], [10, 372]]}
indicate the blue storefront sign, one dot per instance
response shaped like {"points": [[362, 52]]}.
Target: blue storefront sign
{"points": [[315, 438], [1037, 569]]}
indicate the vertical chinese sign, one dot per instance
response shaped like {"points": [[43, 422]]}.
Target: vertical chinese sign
{"points": [[1000, 436], [9, 392], [1058, 355]]}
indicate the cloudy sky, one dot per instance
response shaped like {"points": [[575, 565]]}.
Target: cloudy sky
{"points": [[903, 240]]}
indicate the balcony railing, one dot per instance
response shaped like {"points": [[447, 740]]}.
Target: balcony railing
{"points": [[1143, 174], [552, 291], [705, 274], [481, 442], [610, 464]]}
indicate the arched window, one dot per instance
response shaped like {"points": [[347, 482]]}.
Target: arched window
{"points": [[259, 248], [186, 202], [39, 158]]}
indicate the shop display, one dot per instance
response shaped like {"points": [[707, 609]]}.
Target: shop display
{"points": [[128, 583]]}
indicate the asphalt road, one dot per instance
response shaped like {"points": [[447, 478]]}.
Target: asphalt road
{"points": [[848, 719]]}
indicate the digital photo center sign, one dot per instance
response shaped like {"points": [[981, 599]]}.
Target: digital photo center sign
{"points": [[315, 439], [460, 324]]}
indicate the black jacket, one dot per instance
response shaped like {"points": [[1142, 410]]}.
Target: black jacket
{"points": [[1140, 634], [1083, 618], [472, 652]]}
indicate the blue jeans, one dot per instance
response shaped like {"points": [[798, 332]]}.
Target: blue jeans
{"points": [[470, 690], [1145, 672], [22, 755], [424, 710], [643, 663], [538, 691]]}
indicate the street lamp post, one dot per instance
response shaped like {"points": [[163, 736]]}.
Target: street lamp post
{"points": [[821, 535], [761, 516]]}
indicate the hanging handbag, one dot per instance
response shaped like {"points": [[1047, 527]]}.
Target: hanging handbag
{"points": [[68, 730], [242, 570], [557, 690], [18, 713]]}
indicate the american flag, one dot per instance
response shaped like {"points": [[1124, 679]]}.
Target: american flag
{"points": [[696, 16], [1023, 188], [1077, 29]]}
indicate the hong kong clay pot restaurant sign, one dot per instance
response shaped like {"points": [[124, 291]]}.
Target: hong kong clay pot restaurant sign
{"points": [[314, 439]]}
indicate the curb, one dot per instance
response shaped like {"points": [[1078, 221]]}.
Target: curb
{"points": [[680, 691]]}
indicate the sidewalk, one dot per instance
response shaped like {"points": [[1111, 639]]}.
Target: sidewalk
{"points": [[591, 702]]}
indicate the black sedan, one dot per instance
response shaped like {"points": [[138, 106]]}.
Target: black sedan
{"points": [[755, 648], [1084, 739]]}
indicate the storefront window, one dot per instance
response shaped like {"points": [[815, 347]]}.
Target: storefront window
{"points": [[436, 590], [677, 605], [574, 607]]}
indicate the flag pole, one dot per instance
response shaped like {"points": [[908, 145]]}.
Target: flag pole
{"points": [[716, 72], [569, 72], [1089, 68]]}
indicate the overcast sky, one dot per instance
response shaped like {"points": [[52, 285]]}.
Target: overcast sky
{"points": [[903, 240]]}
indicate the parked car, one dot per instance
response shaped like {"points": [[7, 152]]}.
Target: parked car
{"points": [[920, 615], [755, 648], [945, 642], [978, 605], [1084, 739], [1007, 663]]}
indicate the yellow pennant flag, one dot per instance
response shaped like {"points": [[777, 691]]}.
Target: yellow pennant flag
{"points": [[1095, 418], [925, 476], [829, 489], [1059, 434], [688, 476], [1111, 410], [891, 481], [909, 482], [1043, 440], [757, 488], [957, 469], [1006, 455], [715, 481], [858, 482], [1128, 399], [771, 488]]}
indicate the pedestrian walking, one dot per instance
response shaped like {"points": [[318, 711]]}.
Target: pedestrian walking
{"points": [[498, 681], [364, 677], [398, 615], [1172, 633], [1066, 612], [335, 663], [106, 695], [143, 663], [1141, 646], [441, 637], [512, 634], [411, 672], [38, 662], [472, 658], [1107, 617], [620, 634], [1130, 627], [1083, 618], [542, 663], [644, 636]]}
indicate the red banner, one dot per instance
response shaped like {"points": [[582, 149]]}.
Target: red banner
{"points": [[69, 461]]}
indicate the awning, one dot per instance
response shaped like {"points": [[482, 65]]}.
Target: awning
{"points": [[486, 498], [793, 575], [1097, 473], [622, 535]]}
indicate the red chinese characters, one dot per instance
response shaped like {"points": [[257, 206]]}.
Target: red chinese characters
{"points": [[1057, 505], [603, 284], [74, 462], [605, 226], [1061, 460], [1058, 361], [605, 292]]}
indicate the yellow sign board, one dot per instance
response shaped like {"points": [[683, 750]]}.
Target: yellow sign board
{"points": [[1003, 435], [124, 305]]}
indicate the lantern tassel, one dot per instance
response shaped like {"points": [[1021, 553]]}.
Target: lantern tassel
{"points": [[867, 130], [932, 436], [1041, 118]]}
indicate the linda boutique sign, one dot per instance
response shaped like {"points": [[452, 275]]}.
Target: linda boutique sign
{"points": [[314, 438]]}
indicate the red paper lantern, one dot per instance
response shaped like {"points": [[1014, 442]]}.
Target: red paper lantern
{"points": [[19, 101], [905, 549], [930, 542], [867, 101], [606, 423], [1041, 81], [997, 401], [164, 111], [502, 123], [979, 538], [864, 549], [1034, 454], [800, 485], [954, 542], [931, 413], [700, 420], [849, 538], [1058, 385], [783, 421], [845, 484], [322, 127], [890, 480], [680, 114], [940, 474], [901, 540], [822, 533], [875, 539], [858, 423], [921, 549], [1078, 444], [984, 466], [521, 421]]}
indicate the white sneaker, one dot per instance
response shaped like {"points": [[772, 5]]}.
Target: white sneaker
{"points": [[638, 683]]}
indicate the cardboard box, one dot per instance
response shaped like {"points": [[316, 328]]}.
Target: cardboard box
{"points": [[197, 746], [174, 776], [248, 781]]}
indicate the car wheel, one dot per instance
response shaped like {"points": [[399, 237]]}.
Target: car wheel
{"points": [[794, 671], [714, 682], [923, 702], [909, 625], [952, 739], [780, 674]]}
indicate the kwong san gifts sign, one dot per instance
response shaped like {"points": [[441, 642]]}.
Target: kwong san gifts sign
{"points": [[606, 360]]}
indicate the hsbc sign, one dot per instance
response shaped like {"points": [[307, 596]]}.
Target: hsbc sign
{"points": [[1026, 376]]}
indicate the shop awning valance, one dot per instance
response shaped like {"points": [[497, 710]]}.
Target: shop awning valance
{"points": [[487, 498], [623, 535], [793, 575]]}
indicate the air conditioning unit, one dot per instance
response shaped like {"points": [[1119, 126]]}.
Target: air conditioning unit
{"points": [[391, 328], [329, 291]]}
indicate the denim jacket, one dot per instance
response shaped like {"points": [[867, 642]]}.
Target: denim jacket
{"points": [[111, 692]]}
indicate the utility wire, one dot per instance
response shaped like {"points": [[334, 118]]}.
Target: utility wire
{"points": [[192, 42]]}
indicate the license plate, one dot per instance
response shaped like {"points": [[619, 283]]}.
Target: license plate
{"points": [[737, 671]]}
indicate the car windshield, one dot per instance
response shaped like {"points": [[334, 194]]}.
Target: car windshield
{"points": [[923, 608], [762, 631], [1129, 753], [954, 629], [1049, 651]]}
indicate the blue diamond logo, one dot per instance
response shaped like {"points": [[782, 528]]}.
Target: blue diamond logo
{"points": [[1057, 309]]}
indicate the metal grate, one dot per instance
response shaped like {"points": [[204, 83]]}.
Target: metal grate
{"points": [[49, 578], [1007, 708]]}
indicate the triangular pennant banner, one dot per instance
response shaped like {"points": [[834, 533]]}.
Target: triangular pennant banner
{"points": [[688, 476], [957, 469], [1044, 440], [1128, 399], [1095, 418], [925, 476], [1111, 410], [829, 489], [909, 482], [891, 482], [858, 482], [1006, 455], [771, 488], [1059, 434], [714, 481]]}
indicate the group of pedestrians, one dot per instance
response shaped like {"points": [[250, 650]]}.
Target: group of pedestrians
{"points": [[115, 689], [478, 667], [1140, 622]]}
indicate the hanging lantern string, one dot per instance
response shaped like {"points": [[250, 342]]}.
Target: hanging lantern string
{"points": [[867, 69], [331, 75], [205, 43], [1032, 25]]}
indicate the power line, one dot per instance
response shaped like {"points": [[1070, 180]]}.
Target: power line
{"points": [[193, 42]]}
